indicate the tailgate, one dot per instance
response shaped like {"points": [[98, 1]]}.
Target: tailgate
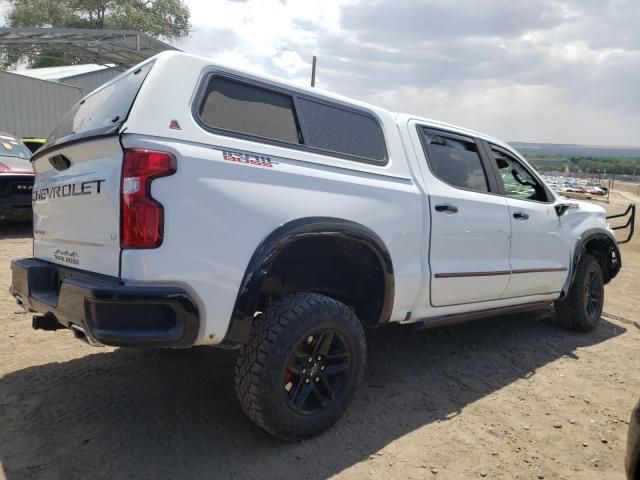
{"points": [[76, 205], [76, 195]]}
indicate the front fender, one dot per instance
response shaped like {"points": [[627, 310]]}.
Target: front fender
{"points": [[606, 243]]}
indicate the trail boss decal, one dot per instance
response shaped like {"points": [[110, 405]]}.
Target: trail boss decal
{"points": [[67, 257], [249, 158], [90, 187]]}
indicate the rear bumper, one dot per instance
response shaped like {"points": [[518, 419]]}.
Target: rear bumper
{"points": [[103, 308]]}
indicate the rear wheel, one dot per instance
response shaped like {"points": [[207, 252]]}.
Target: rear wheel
{"points": [[581, 309], [298, 372]]}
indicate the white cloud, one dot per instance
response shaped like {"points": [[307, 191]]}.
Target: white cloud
{"points": [[290, 61], [535, 113], [255, 34], [554, 70], [4, 8]]}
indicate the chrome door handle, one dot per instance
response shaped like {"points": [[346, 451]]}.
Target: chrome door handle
{"points": [[521, 216], [446, 208]]}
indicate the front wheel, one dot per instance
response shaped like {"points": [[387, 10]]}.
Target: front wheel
{"points": [[299, 371], [581, 309]]}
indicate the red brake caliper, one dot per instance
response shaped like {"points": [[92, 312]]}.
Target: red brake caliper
{"points": [[289, 376]]}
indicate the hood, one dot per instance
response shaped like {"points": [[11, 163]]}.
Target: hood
{"points": [[583, 216], [15, 165], [581, 205], [589, 207]]}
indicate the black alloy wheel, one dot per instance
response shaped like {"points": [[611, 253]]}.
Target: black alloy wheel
{"points": [[593, 294], [300, 368], [581, 308], [317, 370]]}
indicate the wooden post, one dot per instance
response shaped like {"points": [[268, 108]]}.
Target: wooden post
{"points": [[313, 72]]}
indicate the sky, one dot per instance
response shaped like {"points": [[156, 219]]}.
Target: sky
{"points": [[4, 7], [538, 71], [557, 71]]}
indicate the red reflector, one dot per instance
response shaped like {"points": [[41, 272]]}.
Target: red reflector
{"points": [[142, 217]]}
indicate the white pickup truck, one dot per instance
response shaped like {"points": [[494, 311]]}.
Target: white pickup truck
{"points": [[185, 203]]}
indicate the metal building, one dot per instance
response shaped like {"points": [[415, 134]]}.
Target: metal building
{"points": [[86, 77], [32, 102], [31, 107]]}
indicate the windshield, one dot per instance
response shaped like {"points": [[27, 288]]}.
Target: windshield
{"points": [[10, 147]]}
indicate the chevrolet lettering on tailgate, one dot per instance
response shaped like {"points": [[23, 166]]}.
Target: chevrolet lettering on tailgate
{"points": [[89, 187]]}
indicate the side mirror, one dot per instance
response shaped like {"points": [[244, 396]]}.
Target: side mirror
{"points": [[563, 207]]}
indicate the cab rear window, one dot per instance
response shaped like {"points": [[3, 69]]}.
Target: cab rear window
{"points": [[101, 112]]}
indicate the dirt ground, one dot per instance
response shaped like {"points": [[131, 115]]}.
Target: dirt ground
{"points": [[510, 398]]}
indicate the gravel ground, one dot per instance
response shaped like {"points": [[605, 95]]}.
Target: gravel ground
{"points": [[510, 398]]}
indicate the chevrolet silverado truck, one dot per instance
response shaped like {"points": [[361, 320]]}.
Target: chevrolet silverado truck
{"points": [[186, 203]]}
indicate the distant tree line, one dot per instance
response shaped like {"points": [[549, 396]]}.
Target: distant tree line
{"points": [[588, 164], [622, 166]]}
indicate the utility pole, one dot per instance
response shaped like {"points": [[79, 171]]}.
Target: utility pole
{"points": [[613, 180], [313, 72]]}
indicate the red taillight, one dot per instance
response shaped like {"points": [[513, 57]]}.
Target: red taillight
{"points": [[142, 217]]}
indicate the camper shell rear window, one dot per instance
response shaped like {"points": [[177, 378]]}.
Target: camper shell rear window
{"points": [[102, 112], [263, 113]]}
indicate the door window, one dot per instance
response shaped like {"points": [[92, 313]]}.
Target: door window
{"points": [[455, 160], [518, 182]]}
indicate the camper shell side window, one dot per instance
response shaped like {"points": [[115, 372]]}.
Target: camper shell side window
{"points": [[239, 107]]}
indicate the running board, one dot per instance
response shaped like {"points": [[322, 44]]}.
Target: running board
{"points": [[466, 316]]}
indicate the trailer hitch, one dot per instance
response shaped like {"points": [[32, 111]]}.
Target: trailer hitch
{"points": [[630, 223]]}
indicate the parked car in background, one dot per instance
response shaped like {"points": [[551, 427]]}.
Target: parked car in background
{"points": [[33, 143], [563, 185], [597, 188], [16, 179]]}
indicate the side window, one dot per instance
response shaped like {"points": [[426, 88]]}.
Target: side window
{"points": [[455, 160], [340, 130], [248, 109], [518, 182], [245, 108]]}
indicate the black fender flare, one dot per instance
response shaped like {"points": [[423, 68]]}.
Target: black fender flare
{"points": [[615, 261], [267, 251]]}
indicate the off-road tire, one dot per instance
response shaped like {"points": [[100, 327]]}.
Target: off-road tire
{"points": [[572, 312], [263, 362]]}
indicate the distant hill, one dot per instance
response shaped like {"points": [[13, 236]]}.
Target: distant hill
{"points": [[575, 150]]}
